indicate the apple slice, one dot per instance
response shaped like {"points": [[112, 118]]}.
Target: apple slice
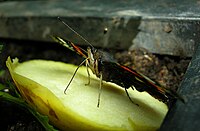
{"points": [[42, 84]]}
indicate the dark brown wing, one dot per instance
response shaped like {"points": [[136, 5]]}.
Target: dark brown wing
{"points": [[127, 77]]}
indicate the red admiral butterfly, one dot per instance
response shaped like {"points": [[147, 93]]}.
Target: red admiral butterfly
{"points": [[103, 66]]}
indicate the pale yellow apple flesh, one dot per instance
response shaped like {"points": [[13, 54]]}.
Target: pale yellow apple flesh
{"points": [[42, 84]]}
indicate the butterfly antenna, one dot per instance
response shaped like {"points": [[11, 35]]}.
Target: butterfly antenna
{"points": [[75, 32]]}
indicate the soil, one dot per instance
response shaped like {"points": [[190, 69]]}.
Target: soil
{"points": [[166, 70]]}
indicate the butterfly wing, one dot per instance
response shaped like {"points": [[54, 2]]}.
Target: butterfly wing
{"points": [[127, 77], [70, 46]]}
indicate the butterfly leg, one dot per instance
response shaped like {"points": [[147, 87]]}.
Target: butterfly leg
{"points": [[88, 73], [130, 97], [100, 86], [74, 75]]}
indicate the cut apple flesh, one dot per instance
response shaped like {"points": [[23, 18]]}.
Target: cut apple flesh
{"points": [[42, 84]]}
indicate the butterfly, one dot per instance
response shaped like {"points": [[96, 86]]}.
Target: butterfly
{"points": [[107, 69]]}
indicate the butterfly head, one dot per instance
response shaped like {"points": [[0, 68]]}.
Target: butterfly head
{"points": [[93, 60]]}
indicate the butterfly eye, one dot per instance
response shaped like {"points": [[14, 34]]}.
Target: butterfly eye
{"points": [[88, 48]]}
